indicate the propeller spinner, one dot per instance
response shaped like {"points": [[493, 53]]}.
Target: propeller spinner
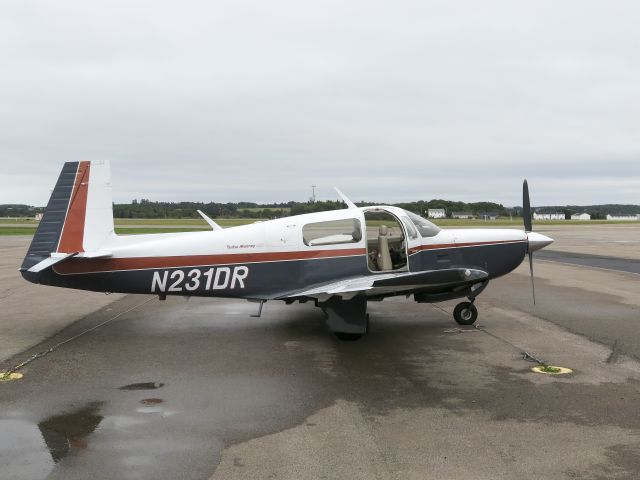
{"points": [[535, 241]]}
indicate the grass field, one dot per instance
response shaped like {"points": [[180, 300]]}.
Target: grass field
{"points": [[130, 226], [18, 221], [17, 230]]}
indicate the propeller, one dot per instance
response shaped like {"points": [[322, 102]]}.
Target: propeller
{"points": [[535, 241], [528, 227], [526, 207]]}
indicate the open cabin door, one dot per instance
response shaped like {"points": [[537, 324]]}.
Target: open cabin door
{"points": [[413, 241], [386, 241]]}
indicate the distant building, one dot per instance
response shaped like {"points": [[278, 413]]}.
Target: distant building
{"points": [[488, 215], [626, 218], [548, 216], [462, 215], [436, 213], [580, 216], [38, 217]]}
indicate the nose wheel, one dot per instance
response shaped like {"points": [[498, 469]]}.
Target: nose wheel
{"points": [[465, 313]]}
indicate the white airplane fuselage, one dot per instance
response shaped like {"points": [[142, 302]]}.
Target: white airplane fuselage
{"points": [[337, 258]]}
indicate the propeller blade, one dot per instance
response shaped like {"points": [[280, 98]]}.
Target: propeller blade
{"points": [[526, 207], [533, 286]]}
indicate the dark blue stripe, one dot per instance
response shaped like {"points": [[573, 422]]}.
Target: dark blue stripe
{"points": [[49, 230]]}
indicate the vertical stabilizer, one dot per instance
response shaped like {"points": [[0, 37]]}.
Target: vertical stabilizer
{"points": [[79, 215], [98, 225]]}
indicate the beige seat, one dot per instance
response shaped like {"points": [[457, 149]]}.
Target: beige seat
{"points": [[384, 257]]}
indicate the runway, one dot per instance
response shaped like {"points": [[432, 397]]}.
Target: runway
{"points": [[199, 389]]}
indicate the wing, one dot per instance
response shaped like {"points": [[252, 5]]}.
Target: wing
{"points": [[392, 283]]}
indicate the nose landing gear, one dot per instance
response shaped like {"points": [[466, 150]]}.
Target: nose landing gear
{"points": [[465, 313]]}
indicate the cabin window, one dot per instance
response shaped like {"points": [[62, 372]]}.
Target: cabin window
{"points": [[333, 232]]}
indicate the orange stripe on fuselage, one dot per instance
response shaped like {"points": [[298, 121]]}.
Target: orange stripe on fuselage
{"points": [[73, 229], [142, 263], [437, 246]]}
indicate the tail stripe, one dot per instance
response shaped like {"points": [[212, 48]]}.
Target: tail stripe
{"points": [[73, 229]]}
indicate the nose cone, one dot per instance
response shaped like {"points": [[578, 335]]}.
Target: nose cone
{"points": [[538, 241]]}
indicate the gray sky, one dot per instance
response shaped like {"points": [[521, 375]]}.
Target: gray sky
{"points": [[252, 100]]}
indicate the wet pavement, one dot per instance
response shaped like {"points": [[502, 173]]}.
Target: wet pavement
{"points": [[195, 389]]}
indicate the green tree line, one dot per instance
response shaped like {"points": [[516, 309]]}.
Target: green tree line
{"points": [[147, 209]]}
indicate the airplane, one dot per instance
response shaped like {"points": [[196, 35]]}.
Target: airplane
{"points": [[340, 259]]}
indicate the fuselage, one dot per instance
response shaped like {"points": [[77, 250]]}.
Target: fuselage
{"points": [[268, 259]]}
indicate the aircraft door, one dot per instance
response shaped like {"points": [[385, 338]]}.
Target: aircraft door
{"points": [[413, 242], [386, 241]]}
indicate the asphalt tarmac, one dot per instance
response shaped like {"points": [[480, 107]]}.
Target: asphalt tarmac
{"points": [[199, 389], [587, 260]]}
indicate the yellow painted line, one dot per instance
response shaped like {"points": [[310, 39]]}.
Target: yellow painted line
{"points": [[8, 376], [551, 370]]}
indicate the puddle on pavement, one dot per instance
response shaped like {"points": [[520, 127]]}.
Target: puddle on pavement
{"points": [[151, 401], [31, 451], [143, 386], [23, 453], [69, 431]]}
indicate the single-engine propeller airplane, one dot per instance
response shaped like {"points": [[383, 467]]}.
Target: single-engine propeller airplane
{"points": [[338, 259]]}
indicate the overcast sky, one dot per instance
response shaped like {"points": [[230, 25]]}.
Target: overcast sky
{"points": [[390, 101]]}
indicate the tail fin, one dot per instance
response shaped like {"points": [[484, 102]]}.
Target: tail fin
{"points": [[79, 215]]}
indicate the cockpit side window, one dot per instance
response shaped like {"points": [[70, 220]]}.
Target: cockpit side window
{"points": [[424, 226]]}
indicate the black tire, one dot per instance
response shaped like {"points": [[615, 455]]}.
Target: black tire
{"points": [[347, 337], [465, 313]]}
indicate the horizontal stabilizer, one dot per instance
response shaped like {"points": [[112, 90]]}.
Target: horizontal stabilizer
{"points": [[52, 260], [95, 254]]}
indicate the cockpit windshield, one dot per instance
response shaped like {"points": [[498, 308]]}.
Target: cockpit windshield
{"points": [[424, 226]]}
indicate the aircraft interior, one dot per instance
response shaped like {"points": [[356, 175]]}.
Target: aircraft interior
{"points": [[386, 246]]}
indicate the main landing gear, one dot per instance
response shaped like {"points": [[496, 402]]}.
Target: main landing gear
{"points": [[347, 319], [465, 313], [352, 337]]}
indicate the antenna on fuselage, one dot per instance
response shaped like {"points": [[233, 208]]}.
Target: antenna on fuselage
{"points": [[345, 199], [214, 225]]}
